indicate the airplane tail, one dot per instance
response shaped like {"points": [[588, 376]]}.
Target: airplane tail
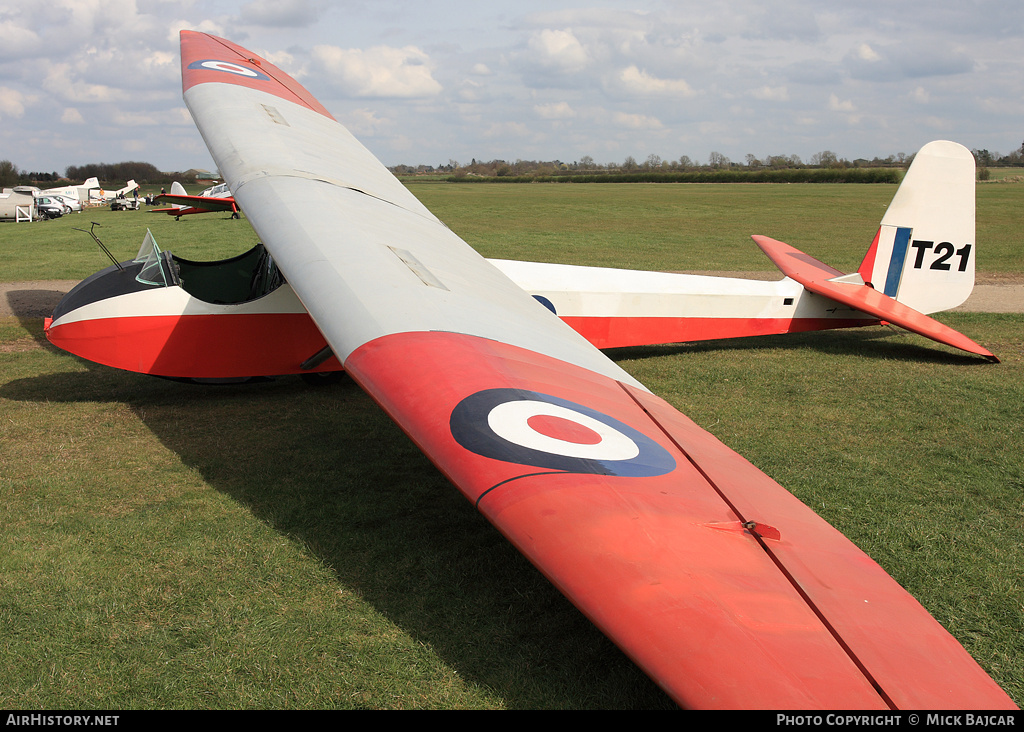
{"points": [[924, 252], [922, 258], [177, 189]]}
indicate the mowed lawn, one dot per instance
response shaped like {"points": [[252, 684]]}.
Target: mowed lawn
{"points": [[273, 545]]}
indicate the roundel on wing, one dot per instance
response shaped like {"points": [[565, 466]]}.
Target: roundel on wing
{"points": [[228, 67], [543, 431]]}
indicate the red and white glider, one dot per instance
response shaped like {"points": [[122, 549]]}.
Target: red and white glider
{"points": [[716, 581]]}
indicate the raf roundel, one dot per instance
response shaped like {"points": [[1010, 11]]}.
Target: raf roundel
{"points": [[229, 67], [544, 431]]}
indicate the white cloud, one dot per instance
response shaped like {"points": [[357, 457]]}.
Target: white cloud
{"points": [[558, 50], [637, 121], [61, 80], [835, 104], [771, 94], [365, 122], [12, 103], [379, 71], [133, 119], [72, 116], [280, 13], [17, 41], [501, 130], [865, 53], [554, 110], [637, 81]]}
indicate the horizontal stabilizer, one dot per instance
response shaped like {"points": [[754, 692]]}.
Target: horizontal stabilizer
{"points": [[823, 280]]}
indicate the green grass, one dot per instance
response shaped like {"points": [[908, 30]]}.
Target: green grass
{"points": [[677, 227], [695, 227], [276, 546]]}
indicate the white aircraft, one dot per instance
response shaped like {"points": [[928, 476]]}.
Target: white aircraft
{"points": [[91, 191], [716, 581], [105, 196], [78, 193]]}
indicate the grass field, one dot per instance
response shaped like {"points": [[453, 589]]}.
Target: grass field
{"points": [[276, 546]]}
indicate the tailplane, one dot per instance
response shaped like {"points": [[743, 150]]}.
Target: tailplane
{"points": [[924, 252]]}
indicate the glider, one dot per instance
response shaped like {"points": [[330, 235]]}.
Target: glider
{"points": [[717, 582], [239, 318], [215, 198]]}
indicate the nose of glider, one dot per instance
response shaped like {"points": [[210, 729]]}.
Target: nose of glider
{"points": [[85, 320], [108, 283]]}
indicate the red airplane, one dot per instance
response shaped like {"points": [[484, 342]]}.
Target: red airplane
{"points": [[215, 198]]}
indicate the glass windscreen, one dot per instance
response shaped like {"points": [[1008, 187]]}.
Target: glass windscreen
{"points": [[152, 272]]}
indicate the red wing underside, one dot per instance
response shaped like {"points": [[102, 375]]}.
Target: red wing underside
{"points": [[816, 276]]}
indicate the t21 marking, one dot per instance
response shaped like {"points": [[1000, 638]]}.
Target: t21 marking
{"points": [[943, 251]]}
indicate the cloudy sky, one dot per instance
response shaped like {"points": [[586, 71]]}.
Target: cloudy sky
{"points": [[88, 81]]}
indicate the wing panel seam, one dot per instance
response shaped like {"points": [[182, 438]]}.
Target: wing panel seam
{"points": [[263, 173], [767, 550]]}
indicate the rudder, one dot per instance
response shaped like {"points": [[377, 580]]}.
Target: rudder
{"points": [[924, 252]]}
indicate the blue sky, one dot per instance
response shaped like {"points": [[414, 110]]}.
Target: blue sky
{"points": [[87, 81]]}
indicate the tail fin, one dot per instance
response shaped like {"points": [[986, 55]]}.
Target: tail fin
{"points": [[924, 252], [177, 189]]}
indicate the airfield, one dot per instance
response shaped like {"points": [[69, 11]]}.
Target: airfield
{"points": [[280, 546]]}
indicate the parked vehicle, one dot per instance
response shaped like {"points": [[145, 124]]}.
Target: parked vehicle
{"points": [[71, 204], [50, 208], [124, 204]]}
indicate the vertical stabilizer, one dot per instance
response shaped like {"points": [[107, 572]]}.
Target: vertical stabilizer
{"points": [[924, 252]]}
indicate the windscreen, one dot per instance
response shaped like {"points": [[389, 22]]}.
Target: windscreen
{"points": [[152, 272]]}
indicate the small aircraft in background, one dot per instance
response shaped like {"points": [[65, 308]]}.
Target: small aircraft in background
{"points": [[104, 196], [90, 192], [80, 193], [215, 198], [716, 581]]}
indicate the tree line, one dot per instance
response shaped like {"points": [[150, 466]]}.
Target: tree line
{"points": [[685, 168], [681, 169], [141, 173]]}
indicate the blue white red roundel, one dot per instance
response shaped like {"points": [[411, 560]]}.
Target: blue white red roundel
{"points": [[229, 67], [543, 431]]}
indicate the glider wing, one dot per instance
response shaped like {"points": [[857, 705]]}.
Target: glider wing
{"points": [[725, 589]]}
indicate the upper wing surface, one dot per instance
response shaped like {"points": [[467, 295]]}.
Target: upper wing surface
{"points": [[638, 516], [363, 254]]}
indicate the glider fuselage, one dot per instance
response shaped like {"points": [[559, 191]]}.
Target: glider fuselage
{"points": [[228, 320]]}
